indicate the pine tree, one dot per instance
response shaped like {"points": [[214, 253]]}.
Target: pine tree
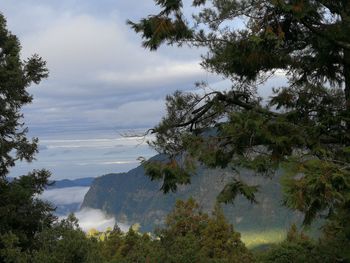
{"points": [[15, 77], [190, 235], [22, 214], [303, 127]]}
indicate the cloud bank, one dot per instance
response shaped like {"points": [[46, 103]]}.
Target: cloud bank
{"points": [[65, 196], [88, 218], [97, 219]]}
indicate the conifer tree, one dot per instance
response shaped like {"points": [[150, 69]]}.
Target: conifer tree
{"points": [[191, 235], [22, 214], [303, 127]]}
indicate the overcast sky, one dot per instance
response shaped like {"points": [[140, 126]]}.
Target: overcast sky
{"points": [[102, 82], [100, 76]]}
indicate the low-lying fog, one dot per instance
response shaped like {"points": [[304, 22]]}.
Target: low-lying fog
{"points": [[69, 200]]}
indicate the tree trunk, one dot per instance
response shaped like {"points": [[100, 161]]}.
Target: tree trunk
{"points": [[347, 85], [347, 78], [345, 16]]}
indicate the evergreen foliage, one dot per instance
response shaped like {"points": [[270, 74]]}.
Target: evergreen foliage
{"points": [[297, 248], [22, 214], [304, 125], [15, 77], [188, 236], [65, 242]]}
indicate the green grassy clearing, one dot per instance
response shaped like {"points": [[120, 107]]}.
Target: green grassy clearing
{"points": [[254, 239]]}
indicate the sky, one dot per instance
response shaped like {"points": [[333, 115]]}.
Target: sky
{"points": [[102, 83]]}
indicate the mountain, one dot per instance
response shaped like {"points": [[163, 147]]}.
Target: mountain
{"points": [[64, 183], [81, 182], [133, 198]]}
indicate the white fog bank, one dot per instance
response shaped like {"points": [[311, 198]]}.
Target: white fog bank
{"points": [[65, 196], [88, 218], [94, 218]]}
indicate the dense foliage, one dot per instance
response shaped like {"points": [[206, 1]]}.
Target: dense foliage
{"points": [[22, 214], [303, 127], [65, 242], [189, 235], [15, 77], [296, 248]]}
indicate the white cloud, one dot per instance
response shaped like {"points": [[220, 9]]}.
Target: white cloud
{"points": [[88, 218], [95, 63], [84, 49], [95, 143], [94, 218], [74, 44], [135, 113], [65, 196], [166, 73]]}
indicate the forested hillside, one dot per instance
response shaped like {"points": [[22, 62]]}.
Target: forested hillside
{"points": [[132, 198]]}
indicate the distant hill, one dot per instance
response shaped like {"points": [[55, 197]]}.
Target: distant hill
{"points": [[133, 198], [56, 184], [71, 183]]}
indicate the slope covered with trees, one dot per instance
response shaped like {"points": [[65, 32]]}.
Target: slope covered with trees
{"points": [[132, 198]]}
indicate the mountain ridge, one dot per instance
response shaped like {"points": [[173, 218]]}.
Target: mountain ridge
{"points": [[132, 197], [64, 183]]}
